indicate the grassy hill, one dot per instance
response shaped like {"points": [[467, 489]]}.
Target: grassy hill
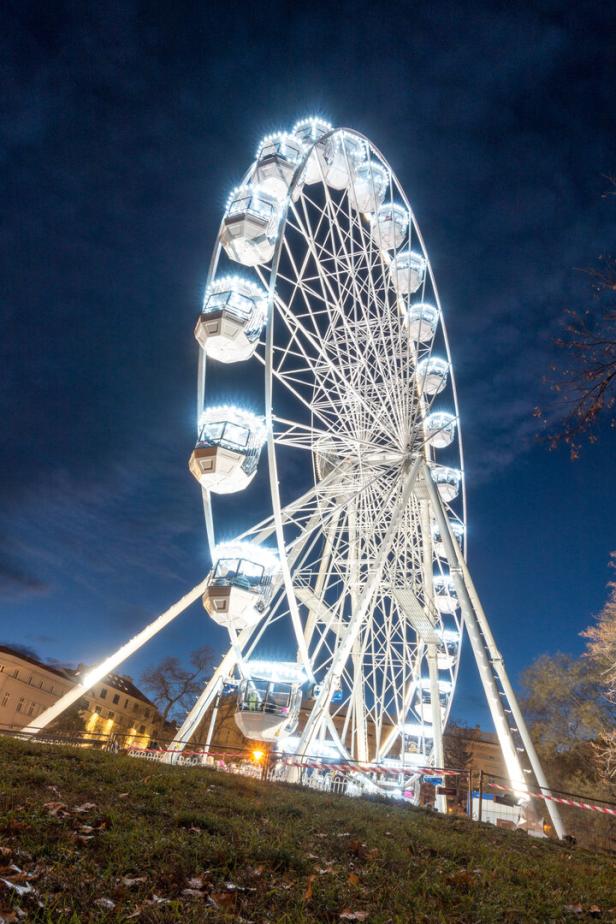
{"points": [[86, 836]]}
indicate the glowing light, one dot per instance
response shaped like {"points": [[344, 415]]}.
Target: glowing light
{"points": [[257, 755], [445, 686], [253, 198], [249, 551], [230, 414], [311, 129], [238, 284], [449, 635], [282, 671], [416, 730], [285, 144]]}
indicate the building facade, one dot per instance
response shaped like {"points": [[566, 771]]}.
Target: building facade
{"points": [[115, 706]]}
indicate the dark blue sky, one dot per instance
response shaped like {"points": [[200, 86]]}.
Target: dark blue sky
{"points": [[123, 129]]}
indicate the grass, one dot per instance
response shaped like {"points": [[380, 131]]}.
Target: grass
{"points": [[86, 836]]}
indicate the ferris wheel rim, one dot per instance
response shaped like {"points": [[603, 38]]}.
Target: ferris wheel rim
{"points": [[272, 448]]}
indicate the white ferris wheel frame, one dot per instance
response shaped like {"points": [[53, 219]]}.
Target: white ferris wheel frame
{"points": [[414, 481]]}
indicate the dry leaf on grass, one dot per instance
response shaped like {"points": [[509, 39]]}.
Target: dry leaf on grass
{"points": [[86, 807], [104, 903], [195, 883], [57, 809], [129, 881], [348, 915], [224, 899], [308, 892], [353, 879]]}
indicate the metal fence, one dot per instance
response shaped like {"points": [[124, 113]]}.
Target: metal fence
{"points": [[484, 797]]}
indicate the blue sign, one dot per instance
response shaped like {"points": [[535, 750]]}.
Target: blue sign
{"points": [[435, 780]]}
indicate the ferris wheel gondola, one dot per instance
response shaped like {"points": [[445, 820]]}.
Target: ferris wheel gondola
{"points": [[353, 316]]}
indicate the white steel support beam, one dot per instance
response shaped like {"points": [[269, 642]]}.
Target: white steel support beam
{"points": [[97, 673], [489, 661], [347, 640], [438, 754]]}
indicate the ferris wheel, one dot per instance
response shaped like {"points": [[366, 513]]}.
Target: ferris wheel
{"points": [[320, 275], [322, 327]]}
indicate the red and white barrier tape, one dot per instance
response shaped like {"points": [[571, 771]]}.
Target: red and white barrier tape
{"points": [[338, 767], [589, 806], [364, 768]]}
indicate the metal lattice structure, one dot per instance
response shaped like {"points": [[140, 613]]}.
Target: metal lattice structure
{"points": [[358, 570]]}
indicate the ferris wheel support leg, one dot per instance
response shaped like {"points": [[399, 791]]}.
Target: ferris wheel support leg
{"points": [[437, 722], [96, 674], [195, 716], [477, 626], [345, 647]]}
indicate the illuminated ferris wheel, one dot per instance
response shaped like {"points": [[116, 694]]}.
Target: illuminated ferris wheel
{"points": [[355, 577], [320, 274]]}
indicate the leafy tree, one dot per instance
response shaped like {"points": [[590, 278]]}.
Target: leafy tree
{"points": [[563, 702], [601, 655], [173, 687], [584, 377]]}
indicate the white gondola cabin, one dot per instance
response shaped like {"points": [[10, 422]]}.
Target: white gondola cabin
{"points": [[422, 319], [269, 699], [278, 157], [438, 545], [424, 704], [408, 271], [342, 156], [440, 429], [240, 584], [448, 650], [447, 481], [445, 597], [310, 132], [370, 182], [250, 226], [226, 456], [389, 226], [432, 373], [232, 318]]}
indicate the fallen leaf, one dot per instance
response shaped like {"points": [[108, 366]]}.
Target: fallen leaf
{"points": [[104, 903], [130, 882], [195, 883], [123, 795], [86, 829], [348, 915], [57, 809], [16, 887], [353, 879], [224, 899], [192, 893], [86, 807], [308, 892]]}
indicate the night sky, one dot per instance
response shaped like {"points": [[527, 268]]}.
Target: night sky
{"points": [[124, 126]]}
